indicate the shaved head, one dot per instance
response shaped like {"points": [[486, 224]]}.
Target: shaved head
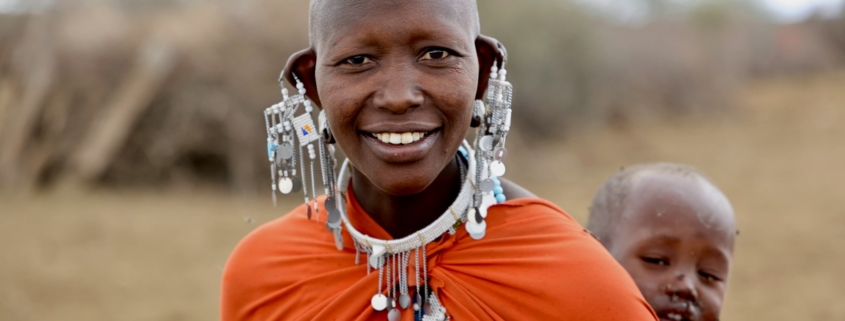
{"points": [[329, 15]]}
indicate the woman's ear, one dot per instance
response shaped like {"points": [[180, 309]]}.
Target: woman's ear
{"points": [[303, 64], [489, 51]]}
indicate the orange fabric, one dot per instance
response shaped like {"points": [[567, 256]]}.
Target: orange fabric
{"points": [[535, 263]]}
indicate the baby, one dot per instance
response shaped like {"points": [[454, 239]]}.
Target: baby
{"points": [[673, 230]]}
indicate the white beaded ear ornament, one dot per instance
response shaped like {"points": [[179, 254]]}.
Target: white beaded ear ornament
{"points": [[490, 148], [284, 132]]}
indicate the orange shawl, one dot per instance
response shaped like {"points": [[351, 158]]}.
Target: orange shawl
{"points": [[535, 263]]}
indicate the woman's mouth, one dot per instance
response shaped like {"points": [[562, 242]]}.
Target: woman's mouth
{"points": [[399, 138], [401, 147]]}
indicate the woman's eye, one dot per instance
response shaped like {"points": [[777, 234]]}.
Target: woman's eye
{"points": [[435, 54], [655, 260], [708, 277], [357, 60]]}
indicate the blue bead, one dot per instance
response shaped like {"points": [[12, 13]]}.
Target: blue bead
{"points": [[463, 151], [271, 147], [498, 190], [501, 198], [497, 181]]}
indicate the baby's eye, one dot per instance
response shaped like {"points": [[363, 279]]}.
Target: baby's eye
{"points": [[435, 54], [708, 277], [655, 260], [357, 60]]}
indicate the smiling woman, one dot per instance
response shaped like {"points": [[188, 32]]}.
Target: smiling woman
{"points": [[399, 84]]}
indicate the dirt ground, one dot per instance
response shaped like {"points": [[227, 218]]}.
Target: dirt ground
{"points": [[159, 255]]}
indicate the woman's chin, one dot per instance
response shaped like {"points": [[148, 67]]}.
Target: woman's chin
{"points": [[404, 187]]}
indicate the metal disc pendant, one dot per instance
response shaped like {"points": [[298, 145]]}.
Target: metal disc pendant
{"points": [[296, 185], [498, 168], [379, 302], [404, 300], [330, 203], [285, 185], [334, 218], [486, 143], [394, 315], [476, 228], [487, 185], [471, 215], [478, 236], [279, 160], [331, 225], [285, 151], [331, 207]]}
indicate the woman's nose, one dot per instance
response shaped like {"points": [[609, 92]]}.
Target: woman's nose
{"points": [[681, 287], [400, 90]]}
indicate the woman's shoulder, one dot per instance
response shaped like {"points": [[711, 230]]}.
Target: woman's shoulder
{"points": [[292, 238], [523, 202], [291, 234], [514, 190]]}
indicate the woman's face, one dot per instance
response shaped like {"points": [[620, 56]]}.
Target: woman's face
{"points": [[397, 80]]}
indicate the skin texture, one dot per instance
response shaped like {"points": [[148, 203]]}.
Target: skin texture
{"points": [[399, 66], [676, 239]]}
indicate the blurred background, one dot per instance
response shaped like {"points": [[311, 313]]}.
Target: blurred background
{"points": [[132, 153]]}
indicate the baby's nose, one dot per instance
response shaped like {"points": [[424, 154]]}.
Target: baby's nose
{"points": [[681, 287]]}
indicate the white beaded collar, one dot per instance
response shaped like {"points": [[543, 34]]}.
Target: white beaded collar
{"points": [[457, 212]]}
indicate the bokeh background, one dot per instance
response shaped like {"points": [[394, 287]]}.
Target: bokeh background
{"points": [[132, 144]]}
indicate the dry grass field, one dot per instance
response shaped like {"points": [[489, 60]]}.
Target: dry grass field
{"points": [[158, 255]]}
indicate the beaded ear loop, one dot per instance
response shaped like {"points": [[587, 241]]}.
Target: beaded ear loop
{"points": [[490, 151], [286, 132]]}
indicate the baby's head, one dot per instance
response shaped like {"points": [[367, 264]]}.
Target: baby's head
{"points": [[673, 230]]}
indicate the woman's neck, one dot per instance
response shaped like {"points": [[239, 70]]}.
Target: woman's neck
{"points": [[401, 216]]}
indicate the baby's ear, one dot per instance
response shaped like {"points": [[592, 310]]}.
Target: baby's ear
{"points": [[489, 51], [303, 64]]}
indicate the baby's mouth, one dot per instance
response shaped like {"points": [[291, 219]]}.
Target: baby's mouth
{"points": [[677, 315], [672, 316], [403, 138]]}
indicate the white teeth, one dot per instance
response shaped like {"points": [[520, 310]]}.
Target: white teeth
{"points": [[399, 138], [674, 316]]}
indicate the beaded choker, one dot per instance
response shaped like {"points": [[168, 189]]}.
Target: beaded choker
{"points": [[391, 257]]}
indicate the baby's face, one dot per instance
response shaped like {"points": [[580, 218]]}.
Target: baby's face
{"points": [[397, 80], [676, 239]]}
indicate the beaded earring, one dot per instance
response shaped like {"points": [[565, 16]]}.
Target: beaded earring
{"points": [[284, 131], [490, 151], [290, 142], [327, 165]]}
